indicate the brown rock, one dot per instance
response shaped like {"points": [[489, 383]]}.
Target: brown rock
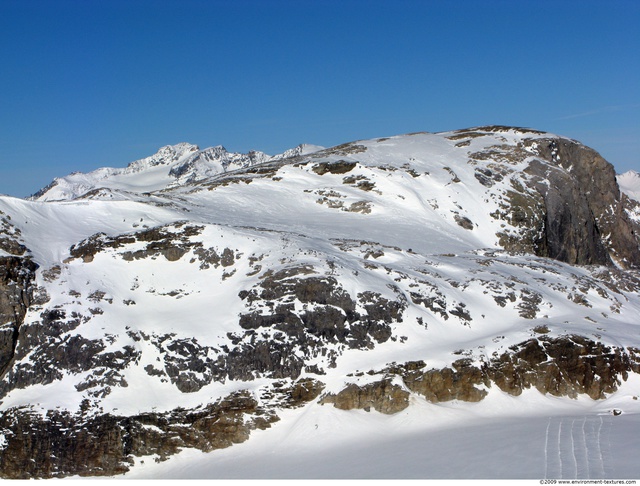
{"points": [[384, 396]]}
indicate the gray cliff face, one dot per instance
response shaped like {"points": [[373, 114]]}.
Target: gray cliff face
{"points": [[16, 293], [570, 232], [567, 204], [585, 211]]}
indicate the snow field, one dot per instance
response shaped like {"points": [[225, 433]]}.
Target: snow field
{"points": [[526, 437]]}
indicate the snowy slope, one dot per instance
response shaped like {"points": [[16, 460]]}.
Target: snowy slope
{"points": [[630, 184], [530, 437], [202, 275]]}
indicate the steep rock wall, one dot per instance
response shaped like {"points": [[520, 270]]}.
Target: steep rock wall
{"points": [[585, 218], [16, 292]]}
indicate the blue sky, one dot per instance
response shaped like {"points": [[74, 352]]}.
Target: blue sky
{"points": [[88, 83]]}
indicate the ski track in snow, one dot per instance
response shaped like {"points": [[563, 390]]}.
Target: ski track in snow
{"points": [[574, 459], [597, 468], [546, 450], [577, 449], [585, 469], [606, 453]]}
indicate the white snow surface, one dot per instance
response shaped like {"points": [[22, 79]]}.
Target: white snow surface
{"points": [[529, 437], [629, 183], [397, 235]]}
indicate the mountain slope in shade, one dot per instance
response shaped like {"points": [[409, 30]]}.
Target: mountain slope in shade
{"points": [[181, 303]]}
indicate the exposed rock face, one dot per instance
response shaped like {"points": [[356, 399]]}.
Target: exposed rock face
{"points": [[457, 383], [567, 366], [10, 237], [607, 205], [570, 232], [384, 396], [567, 204], [584, 217], [54, 350], [61, 444], [328, 317], [16, 293]]}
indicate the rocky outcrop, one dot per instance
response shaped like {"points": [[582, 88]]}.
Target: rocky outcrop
{"points": [[61, 444], [456, 383], [566, 205], [16, 293], [576, 214], [570, 232], [565, 366], [311, 315], [596, 179], [171, 241], [54, 350], [383, 396]]}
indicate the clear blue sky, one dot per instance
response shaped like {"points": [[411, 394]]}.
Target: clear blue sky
{"points": [[89, 83]]}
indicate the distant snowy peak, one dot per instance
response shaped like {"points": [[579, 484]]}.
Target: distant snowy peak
{"points": [[166, 155], [629, 183], [302, 149], [211, 161], [170, 166]]}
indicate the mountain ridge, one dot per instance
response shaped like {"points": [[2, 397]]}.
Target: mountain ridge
{"points": [[437, 268], [186, 162]]}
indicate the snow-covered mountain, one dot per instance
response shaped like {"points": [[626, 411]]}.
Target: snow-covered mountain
{"points": [[629, 183], [195, 297], [171, 166]]}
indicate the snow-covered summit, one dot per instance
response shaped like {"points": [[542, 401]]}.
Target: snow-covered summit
{"points": [[629, 183], [166, 155], [302, 149]]}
